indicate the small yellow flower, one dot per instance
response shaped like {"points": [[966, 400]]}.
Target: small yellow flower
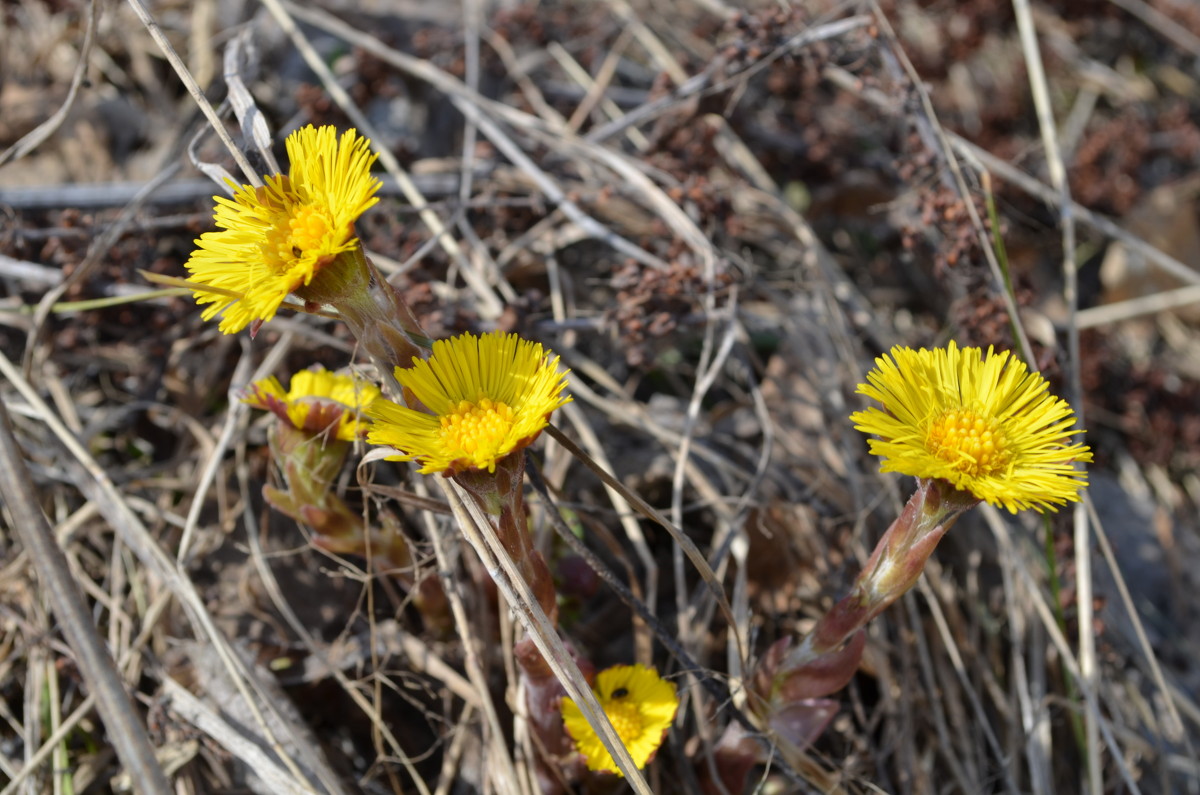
{"points": [[982, 422], [490, 396], [639, 703], [275, 239], [317, 401]]}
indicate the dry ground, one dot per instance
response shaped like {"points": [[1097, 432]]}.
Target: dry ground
{"points": [[718, 219]]}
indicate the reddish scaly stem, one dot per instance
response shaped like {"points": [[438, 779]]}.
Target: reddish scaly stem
{"points": [[791, 679], [500, 496]]}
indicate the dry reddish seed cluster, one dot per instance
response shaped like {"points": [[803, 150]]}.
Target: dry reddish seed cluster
{"points": [[1120, 157], [684, 147], [758, 34], [983, 317], [524, 24], [1153, 407], [653, 303], [710, 202], [316, 105], [1103, 170], [942, 222]]}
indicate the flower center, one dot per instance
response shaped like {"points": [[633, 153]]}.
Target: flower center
{"points": [[476, 428], [625, 719], [974, 443], [300, 229]]}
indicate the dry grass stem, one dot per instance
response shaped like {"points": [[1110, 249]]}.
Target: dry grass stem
{"points": [[717, 217]]}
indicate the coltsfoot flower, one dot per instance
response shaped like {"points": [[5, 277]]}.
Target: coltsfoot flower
{"points": [[317, 401], [277, 238], [490, 397], [982, 422], [639, 703]]}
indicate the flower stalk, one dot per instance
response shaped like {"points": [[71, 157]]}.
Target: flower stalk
{"points": [[296, 236], [317, 419], [543, 703], [791, 679], [482, 401], [971, 427], [465, 409], [499, 495], [371, 308], [475, 404], [893, 568], [309, 464]]}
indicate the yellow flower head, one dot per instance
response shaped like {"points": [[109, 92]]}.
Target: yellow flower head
{"points": [[490, 396], [983, 422], [275, 239], [639, 703], [317, 401]]}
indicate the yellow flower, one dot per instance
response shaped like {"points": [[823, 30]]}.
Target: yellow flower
{"points": [[317, 401], [982, 422], [490, 396], [639, 703], [275, 239]]}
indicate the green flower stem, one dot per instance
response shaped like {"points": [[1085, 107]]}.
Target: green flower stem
{"points": [[312, 458], [310, 463], [372, 308]]}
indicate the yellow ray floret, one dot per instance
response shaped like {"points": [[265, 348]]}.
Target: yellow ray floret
{"points": [[639, 703], [488, 397], [275, 239], [317, 401], [981, 421]]}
